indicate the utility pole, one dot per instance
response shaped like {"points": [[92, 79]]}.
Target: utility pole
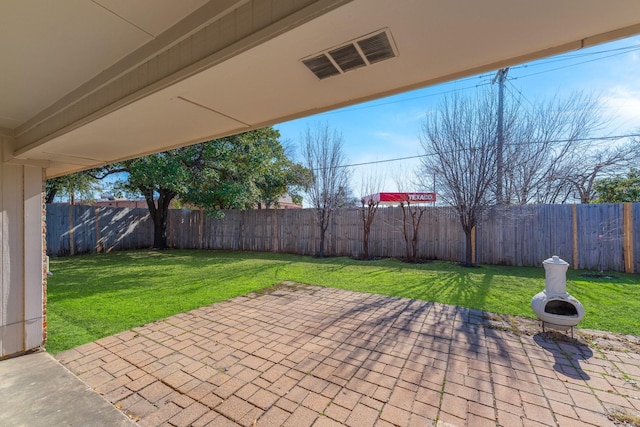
{"points": [[501, 77]]}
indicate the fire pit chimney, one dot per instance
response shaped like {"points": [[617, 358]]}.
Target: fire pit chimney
{"points": [[554, 307], [555, 273]]}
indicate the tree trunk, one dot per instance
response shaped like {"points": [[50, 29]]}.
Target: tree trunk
{"points": [[414, 245], [468, 252], [367, 213], [365, 243], [160, 230], [323, 216], [51, 195], [366, 227], [159, 214], [322, 232], [416, 228], [404, 232]]}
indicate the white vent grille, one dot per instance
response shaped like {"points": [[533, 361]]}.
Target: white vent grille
{"points": [[359, 53]]}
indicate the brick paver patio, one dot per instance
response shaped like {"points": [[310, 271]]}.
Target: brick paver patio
{"points": [[310, 356]]}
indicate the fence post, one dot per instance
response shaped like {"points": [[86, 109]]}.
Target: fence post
{"points": [[575, 237], [274, 243], [627, 230], [201, 228], [72, 238]]}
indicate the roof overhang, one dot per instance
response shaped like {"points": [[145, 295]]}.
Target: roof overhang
{"points": [[87, 83]]}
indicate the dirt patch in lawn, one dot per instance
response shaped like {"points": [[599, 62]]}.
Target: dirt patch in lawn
{"points": [[599, 339]]}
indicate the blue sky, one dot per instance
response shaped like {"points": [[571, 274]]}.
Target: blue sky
{"points": [[388, 128]]}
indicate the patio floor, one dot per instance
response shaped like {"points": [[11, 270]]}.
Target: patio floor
{"points": [[298, 355]]}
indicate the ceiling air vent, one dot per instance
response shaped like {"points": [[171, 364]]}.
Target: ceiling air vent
{"points": [[347, 57], [376, 48], [321, 66], [358, 53]]}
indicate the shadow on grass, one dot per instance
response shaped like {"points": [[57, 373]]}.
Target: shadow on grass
{"points": [[86, 276], [501, 289], [467, 289]]}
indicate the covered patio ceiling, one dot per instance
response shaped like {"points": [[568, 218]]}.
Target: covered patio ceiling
{"points": [[90, 82]]}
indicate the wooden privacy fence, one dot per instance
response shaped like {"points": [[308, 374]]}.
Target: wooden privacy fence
{"points": [[593, 237], [76, 229]]}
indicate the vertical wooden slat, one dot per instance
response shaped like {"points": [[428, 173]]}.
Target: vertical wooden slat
{"points": [[473, 245], [635, 241], [274, 244], [627, 230], [201, 229], [170, 228], [575, 236], [97, 219]]}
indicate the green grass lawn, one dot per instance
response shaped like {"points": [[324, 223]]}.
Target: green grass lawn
{"points": [[93, 296]]}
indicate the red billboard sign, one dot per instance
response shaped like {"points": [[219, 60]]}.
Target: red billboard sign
{"points": [[401, 197]]}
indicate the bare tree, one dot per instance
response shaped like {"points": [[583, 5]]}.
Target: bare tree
{"points": [[370, 184], [599, 163], [460, 152], [548, 145], [324, 157], [413, 211]]}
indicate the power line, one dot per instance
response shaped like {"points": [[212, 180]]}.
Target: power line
{"points": [[501, 77], [568, 57], [397, 159], [522, 96], [418, 156], [619, 51], [571, 65], [565, 57]]}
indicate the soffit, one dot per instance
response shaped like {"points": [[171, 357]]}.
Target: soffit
{"points": [[49, 48], [436, 41]]}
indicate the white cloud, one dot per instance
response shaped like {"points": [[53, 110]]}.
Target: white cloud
{"points": [[414, 117], [393, 141], [624, 106]]}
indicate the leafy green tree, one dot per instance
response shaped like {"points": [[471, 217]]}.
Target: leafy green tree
{"points": [[242, 172], [79, 185], [236, 172], [288, 177], [619, 189]]}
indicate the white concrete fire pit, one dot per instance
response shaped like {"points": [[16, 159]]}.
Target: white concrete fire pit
{"points": [[554, 307]]}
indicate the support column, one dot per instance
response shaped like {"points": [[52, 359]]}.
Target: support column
{"points": [[22, 277]]}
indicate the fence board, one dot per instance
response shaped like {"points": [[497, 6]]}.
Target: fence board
{"points": [[513, 235], [635, 238], [58, 231], [600, 237]]}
